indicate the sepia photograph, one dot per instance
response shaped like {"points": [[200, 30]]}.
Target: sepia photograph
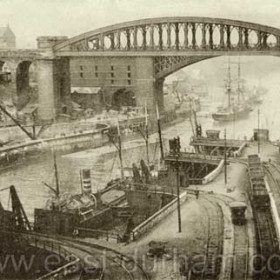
{"points": [[139, 140]]}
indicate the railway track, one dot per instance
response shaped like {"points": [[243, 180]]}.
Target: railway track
{"points": [[214, 242], [240, 253], [115, 265], [132, 269], [267, 266], [272, 171], [267, 245], [240, 264]]}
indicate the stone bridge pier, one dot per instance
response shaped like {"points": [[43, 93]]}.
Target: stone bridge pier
{"points": [[149, 90], [53, 74]]}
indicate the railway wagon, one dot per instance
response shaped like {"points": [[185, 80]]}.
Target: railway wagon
{"points": [[256, 173], [258, 193], [260, 198], [253, 158], [238, 212]]}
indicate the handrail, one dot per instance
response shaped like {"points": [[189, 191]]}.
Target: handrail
{"points": [[53, 246], [59, 270], [193, 156]]}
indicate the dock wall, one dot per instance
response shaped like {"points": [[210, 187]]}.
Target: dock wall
{"points": [[11, 154], [238, 153], [144, 227], [212, 175]]}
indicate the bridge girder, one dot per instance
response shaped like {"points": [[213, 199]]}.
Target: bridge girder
{"points": [[176, 34], [166, 65]]}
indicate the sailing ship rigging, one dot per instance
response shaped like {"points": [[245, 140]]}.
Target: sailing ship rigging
{"points": [[235, 109]]}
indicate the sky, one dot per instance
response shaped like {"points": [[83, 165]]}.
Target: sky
{"points": [[32, 18]]}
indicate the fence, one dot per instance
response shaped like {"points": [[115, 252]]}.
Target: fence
{"points": [[99, 234], [52, 246], [193, 156]]}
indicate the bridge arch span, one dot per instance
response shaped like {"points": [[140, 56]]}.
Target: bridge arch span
{"points": [[174, 34], [167, 65]]}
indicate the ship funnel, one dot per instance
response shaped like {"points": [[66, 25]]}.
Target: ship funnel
{"points": [[86, 181]]}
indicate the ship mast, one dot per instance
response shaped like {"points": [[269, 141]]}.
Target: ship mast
{"points": [[228, 85], [115, 139], [55, 190], [147, 135], [238, 83], [56, 174], [120, 150]]}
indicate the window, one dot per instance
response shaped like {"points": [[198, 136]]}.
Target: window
{"points": [[112, 81], [112, 75], [129, 75], [128, 68], [96, 71], [112, 68], [129, 82], [81, 71]]}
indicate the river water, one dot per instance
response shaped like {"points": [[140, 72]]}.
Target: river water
{"points": [[28, 178]]}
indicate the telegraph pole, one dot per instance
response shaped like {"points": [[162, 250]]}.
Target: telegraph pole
{"points": [[177, 141], [225, 156], [159, 134], [120, 150]]}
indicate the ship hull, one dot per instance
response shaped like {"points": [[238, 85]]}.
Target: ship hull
{"points": [[228, 117]]}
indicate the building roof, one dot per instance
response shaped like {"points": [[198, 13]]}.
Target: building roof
{"points": [[4, 30], [85, 90]]}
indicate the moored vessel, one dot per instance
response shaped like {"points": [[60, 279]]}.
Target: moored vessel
{"points": [[236, 107]]}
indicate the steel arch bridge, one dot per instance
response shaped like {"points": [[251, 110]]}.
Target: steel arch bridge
{"points": [[137, 55], [175, 35]]}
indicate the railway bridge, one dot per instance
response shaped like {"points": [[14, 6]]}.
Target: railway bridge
{"points": [[134, 56]]}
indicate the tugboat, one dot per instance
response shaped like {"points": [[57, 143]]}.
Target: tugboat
{"points": [[235, 109]]}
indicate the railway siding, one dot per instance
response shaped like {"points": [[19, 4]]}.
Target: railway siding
{"points": [[272, 181], [228, 243], [266, 233], [228, 240]]}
